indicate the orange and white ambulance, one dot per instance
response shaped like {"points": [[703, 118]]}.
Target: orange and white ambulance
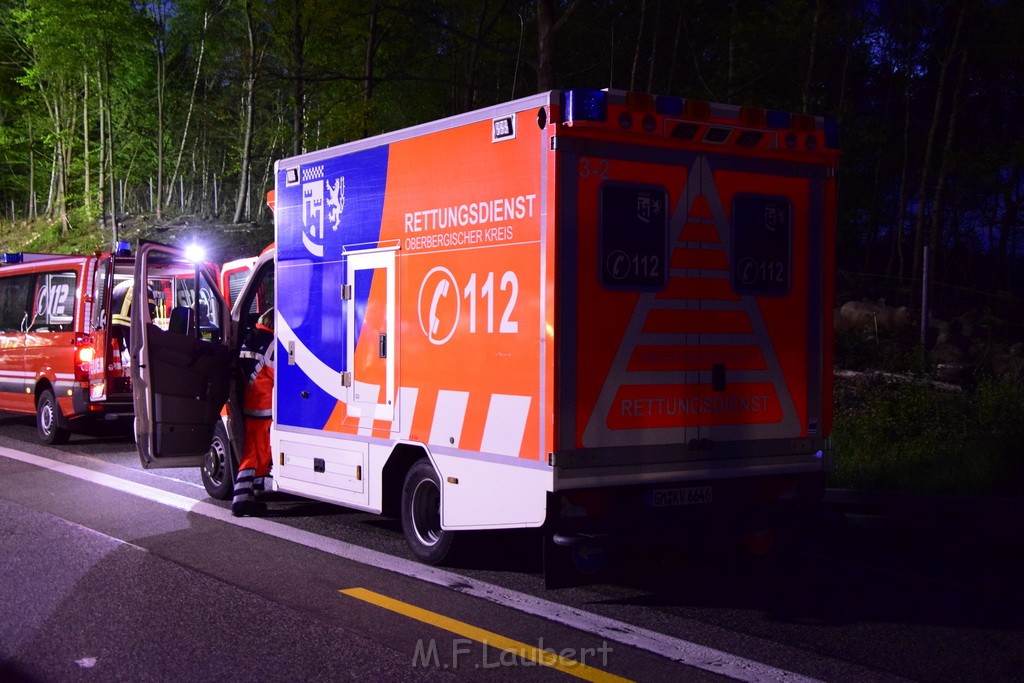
{"points": [[585, 310]]}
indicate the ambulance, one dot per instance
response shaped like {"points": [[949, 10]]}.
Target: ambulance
{"points": [[591, 311], [63, 355]]}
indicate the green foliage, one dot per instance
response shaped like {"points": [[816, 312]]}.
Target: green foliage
{"points": [[903, 436], [80, 236]]}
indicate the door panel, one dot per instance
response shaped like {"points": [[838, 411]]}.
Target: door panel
{"points": [[371, 338], [181, 375]]}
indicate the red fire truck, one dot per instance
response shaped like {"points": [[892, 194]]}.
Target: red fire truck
{"points": [[63, 346], [585, 310]]}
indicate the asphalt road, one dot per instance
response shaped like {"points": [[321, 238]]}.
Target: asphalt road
{"points": [[110, 572]]}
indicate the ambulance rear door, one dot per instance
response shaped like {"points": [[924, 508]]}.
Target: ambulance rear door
{"points": [[693, 308], [182, 367]]}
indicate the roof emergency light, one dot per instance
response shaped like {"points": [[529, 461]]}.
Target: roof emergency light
{"points": [[123, 249], [584, 105], [195, 253], [8, 257]]}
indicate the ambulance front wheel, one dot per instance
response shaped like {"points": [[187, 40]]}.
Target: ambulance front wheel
{"points": [[48, 419], [421, 515]]}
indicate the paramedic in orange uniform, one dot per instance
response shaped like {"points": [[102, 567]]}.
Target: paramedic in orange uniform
{"points": [[257, 363]]}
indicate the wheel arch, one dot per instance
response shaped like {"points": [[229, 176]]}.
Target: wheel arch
{"points": [[403, 457]]}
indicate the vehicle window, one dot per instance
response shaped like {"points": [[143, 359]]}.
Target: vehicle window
{"points": [[236, 280], [99, 296], [762, 254], [196, 311], [14, 298], [634, 237], [262, 300], [54, 308]]}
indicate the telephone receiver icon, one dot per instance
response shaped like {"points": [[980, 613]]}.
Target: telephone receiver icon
{"points": [[440, 291]]}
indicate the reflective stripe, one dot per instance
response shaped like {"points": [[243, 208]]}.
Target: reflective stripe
{"points": [[243, 486]]}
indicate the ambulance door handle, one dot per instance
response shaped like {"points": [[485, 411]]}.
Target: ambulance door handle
{"points": [[382, 345]]}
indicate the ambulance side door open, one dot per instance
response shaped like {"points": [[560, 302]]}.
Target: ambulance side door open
{"points": [[181, 374]]}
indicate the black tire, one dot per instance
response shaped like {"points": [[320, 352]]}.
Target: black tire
{"points": [[49, 419], [218, 468], [421, 515]]}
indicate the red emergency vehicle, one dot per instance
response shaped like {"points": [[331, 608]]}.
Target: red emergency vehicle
{"points": [[58, 359], [591, 311], [64, 338]]}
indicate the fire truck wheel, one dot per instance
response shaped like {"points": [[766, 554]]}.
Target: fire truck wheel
{"points": [[48, 420], [421, 515], [218, 469]]}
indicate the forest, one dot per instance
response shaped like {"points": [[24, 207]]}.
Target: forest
{"points": [[127, 112]]}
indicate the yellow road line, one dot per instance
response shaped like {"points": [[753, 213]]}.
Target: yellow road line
{"points": [[543, 657]]}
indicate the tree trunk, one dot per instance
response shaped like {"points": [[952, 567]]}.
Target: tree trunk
{"points": [[85, 136], [160, 73], [248, 106], [191, 100], [547, 36], [929, 151], [101, 197], [815, 19], [674, 58], [639, 42], [368, 68], [947, 153], [298, 80], [31, 171]]}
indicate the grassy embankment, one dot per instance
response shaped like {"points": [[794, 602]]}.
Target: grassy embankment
{"points": [[899, 436]]}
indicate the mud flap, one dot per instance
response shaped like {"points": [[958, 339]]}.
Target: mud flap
{"points": [[571, 561]]}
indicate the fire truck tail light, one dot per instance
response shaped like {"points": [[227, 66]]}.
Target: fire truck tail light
{"points": [[697, 109], [85, 354], [584, 105], [640, 101]]}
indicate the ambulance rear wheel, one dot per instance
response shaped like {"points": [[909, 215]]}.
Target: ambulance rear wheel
{"points": [[48, 419], [218, 469], [421, 515]]}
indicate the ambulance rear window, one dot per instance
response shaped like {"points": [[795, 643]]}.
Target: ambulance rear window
{"points": [[633, 237], [761, 245]]}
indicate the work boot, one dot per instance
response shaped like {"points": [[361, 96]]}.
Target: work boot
{"points": [[249, 508]]}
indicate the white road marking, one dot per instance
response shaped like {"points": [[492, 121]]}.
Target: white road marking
{"points": [[674, 649]]}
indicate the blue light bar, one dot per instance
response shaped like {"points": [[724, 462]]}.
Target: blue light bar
{"points": [[670, 106], [780, 120], [9, 257], [123, 249], [584, 105], [831, 134]]}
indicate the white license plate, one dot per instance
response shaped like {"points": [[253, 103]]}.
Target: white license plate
{"points": [[694, 495]]}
